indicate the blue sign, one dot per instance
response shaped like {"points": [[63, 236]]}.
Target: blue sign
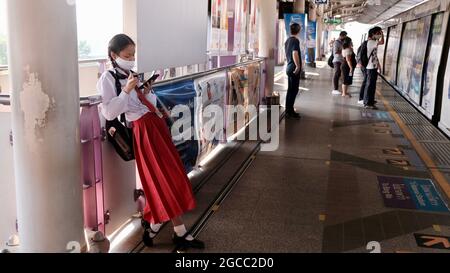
{"points": [[311, 37], [411, 193], [321, 2], [299, 18], [180, 93]]}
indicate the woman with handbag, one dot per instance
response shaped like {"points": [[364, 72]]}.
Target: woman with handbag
{"points": [[167, 189]]}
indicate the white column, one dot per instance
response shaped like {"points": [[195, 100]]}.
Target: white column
{"points": [[299, 6], [43, 63], [268, 39], [319, 38]]}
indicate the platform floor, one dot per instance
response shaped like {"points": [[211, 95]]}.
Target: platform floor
{"points": [[320, 192]]}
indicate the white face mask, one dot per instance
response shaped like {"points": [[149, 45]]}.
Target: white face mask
{"points": [[377, 37], [124, 64]]}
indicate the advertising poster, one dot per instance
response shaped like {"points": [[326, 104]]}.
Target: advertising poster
{"points": [[431, 65], [215, 25], [240, 22], [421, 41], [245, 90], [231, 20], [210, 90], [171, 95], [254, 84], [223, 7], [253, 28], [444, 124], [393, 43], [311, 37], [406, 56], [300, 19]]}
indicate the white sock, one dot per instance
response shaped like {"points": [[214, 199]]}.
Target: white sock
{"points": [[155, 227], [181, 231]]}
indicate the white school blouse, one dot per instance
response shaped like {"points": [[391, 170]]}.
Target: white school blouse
{"points": [[113, 105]]}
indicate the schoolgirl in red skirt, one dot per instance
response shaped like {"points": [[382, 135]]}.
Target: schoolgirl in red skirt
{"points": [[166, 186]]}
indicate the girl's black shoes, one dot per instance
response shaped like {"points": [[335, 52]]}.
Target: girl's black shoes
{"points": [[182, 242], [148, 241]]}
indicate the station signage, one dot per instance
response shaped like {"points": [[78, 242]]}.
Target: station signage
{"points": [[333, 21]]}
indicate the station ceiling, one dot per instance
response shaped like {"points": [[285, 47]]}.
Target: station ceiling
{"points": [[368, 11]]}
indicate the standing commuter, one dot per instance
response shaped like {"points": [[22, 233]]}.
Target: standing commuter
{"points": [[293, 69], [337, 61], [348, 66], [167, 188], [376, 38]]}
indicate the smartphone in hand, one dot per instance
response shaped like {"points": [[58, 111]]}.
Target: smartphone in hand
{"points": [[151, 80]]}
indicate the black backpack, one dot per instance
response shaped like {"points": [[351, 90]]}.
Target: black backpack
{"points": [[362, 57], [330, 61], [118, 134]]}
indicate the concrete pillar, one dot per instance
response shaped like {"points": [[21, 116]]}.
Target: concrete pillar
{"points": [[43, 62], [299, 6], [319, 50], [268, 39], [129, 18]]}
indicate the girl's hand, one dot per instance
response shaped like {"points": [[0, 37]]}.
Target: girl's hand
{"points": [[148, 88], [131, 84]]}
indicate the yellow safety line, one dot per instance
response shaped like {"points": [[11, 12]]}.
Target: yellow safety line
{"points": [[429, 162]]}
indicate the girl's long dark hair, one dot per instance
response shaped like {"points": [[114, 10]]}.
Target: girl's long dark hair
{"points": [[117, 44]]}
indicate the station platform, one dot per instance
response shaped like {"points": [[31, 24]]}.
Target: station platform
{"points": [[344, 179]]}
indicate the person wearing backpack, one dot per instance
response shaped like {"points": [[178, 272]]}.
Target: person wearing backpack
{"points": [[368, 60], [337, 62], [167, 188]]}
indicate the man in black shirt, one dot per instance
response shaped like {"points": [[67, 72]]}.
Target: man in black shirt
{"points": [[294, 67]]}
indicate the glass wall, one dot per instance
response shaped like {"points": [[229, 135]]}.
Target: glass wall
{"points": [[431, 65], [412, 57], [98, 21]]}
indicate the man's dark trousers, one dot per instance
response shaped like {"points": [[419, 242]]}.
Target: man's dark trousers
{"points": [[371, 86], [293, 86]]}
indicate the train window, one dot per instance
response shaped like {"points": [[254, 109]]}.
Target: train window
{"points": [[432, 61], [97, 21], [412, 57], [3, 55], [393, 44]]}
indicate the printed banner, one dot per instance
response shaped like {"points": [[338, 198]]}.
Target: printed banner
{"points": [[245, 89], [171, 95], [211, 91]]}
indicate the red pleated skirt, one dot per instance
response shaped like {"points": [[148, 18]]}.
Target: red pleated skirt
{"points": [[167, 188]]}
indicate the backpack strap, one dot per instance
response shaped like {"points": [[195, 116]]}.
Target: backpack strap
{"points": [[118, 91]]}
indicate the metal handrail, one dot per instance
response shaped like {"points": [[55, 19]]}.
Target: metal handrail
{"points": [[83, 61], [97, 99], [206, 73], [84, 101]]}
